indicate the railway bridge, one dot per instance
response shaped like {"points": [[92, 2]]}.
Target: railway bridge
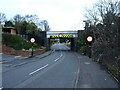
{"points": [[68, 36]]}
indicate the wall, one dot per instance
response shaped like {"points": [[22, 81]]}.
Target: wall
{"points": [[13, 31], [11, 51]]}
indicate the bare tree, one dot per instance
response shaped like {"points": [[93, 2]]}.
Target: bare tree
{"points": [[105, 16], [92, 15], [45, 24], [105, 12], [99, 10], [17, 19], [2, 18], [33, 18]]}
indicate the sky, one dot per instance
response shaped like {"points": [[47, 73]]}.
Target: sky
{"points": [[62, 15]]}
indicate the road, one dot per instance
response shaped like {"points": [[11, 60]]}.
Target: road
{"points": [[61, 69]]}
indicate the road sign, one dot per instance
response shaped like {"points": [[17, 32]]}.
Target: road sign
{"points": [[61, 36], [89, 38], [32, 40]]}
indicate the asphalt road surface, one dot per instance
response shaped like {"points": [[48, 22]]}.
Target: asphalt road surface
{"points": [[61, 69]]}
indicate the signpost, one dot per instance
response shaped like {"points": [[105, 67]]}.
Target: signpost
{"points": [[32, 40], [61, 36], [90, 39]]}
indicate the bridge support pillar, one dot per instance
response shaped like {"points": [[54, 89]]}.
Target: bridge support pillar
{"points": [[72, 44], [48, 43]]}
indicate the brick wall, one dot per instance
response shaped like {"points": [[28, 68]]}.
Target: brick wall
{"points": [[11, 51]]}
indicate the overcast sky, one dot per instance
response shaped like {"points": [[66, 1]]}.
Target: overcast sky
{"points": [[60, 14]]}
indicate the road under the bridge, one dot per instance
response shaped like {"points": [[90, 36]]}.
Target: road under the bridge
{"points": [[71, 42], [61, 69]]}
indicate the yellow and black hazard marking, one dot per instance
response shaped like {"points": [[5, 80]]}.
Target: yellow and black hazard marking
{"points": [[61, 36]]}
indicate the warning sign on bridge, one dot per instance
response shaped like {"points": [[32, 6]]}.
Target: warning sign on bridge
{"points": [[61, 36]]}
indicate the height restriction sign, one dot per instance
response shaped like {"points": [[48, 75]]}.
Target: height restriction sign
{"points": [[89, 38], [32, 40]]}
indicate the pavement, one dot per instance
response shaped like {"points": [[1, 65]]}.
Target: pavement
{"points": [[14, 61], [9, 58], [44, 54], [94, 75], [60, 68]]}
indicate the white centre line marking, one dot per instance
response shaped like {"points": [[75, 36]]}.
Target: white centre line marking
{"points": [[1, 88], [58, 58], [38, 69], [60, 55], [87, 63]]}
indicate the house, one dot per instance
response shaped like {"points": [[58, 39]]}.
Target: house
{"points": [[10, 30], [0, 27]]}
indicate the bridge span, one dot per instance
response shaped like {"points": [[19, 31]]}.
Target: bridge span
{"points": [[66, 35], [51, 33]]}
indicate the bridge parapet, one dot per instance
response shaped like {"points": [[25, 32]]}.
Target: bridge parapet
{"points": [[71, 33]]}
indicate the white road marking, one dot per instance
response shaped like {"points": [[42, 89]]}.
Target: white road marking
{"points": [[58, 57], [46, 64], [53, 51], [86, 86], [87, 63], [17, 56], [38, 69], [66, 47], [1, 88], [77, 77]]}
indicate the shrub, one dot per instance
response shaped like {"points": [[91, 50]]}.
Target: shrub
{"points": [[85, 50], [42, 47], [35, 46], [16, 42]]}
